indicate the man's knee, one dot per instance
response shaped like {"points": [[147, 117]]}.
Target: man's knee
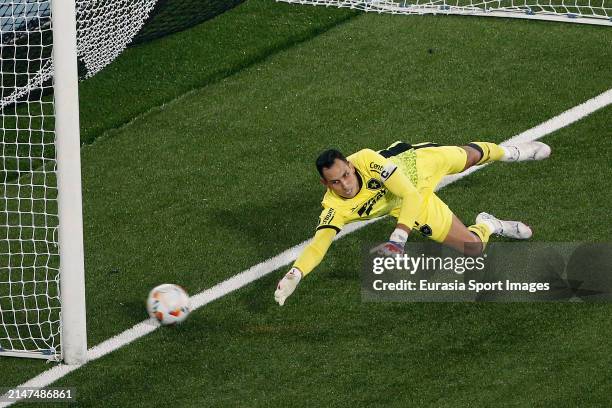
{"points": [[473, 156]]}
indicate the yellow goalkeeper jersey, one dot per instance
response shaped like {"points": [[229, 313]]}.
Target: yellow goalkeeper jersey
{"points": [[387, 185]]}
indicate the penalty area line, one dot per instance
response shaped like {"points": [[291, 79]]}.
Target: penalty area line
{"points": [[262, 269]]}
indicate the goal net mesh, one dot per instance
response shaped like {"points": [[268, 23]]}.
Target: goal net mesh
{"points": [[579, 11], [29, 279], [29, 253]]}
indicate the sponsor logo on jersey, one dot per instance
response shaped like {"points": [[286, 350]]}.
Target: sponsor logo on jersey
{"points": [[328, 217], [376, 167], [366, 208], [373, 184]]}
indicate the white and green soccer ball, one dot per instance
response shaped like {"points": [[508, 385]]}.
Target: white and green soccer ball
{"points": [[168, 304]]}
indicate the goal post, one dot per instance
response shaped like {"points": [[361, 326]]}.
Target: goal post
{"points": [[42, 294], [68, 157], [594, 12]]}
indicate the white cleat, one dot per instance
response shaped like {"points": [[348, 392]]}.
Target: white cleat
{"points": [[509, 229], [526, 151]]}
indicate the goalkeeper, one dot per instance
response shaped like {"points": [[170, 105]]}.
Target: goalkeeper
{"points": [[400, 181]]}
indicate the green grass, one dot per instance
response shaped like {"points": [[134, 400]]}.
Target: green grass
{"points": [[151, 74], [221, 177]]}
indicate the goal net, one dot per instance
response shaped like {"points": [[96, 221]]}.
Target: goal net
{"points": [[33, 295], [597, 12], [29, 261], [32, 321]]}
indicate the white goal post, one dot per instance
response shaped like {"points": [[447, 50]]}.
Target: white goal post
{"points": [[73, 334], [42, 291], [595, 12]]}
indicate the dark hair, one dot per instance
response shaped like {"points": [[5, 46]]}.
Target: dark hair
{"points": [[327, 158]]}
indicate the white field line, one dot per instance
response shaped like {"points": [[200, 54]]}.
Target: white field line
{"points": [[244, 278]]}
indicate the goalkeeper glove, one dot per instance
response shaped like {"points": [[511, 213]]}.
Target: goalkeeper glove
{"points": [[395, 245], [390, 248], [287, 285]]}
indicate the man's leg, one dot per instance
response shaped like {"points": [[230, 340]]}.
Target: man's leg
{"points": [[486, 152], [433, 163], [438, 222], [483, 152], [473, 156], [470, 241]]}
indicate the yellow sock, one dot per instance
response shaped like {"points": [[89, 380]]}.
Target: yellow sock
{"points": [[490, 151], [482, 231]]}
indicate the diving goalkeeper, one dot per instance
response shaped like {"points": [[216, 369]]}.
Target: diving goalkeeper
{"points": [[400, 181]]}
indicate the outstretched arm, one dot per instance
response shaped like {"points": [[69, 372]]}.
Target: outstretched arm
{"points": [[310, 257], [314, 252], [398, 184]]}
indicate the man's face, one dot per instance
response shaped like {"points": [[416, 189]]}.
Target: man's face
{"points": [[341, 178]]}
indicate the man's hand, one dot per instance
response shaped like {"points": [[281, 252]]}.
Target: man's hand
{"points": [[390, 248], [287, 285], [395, 245]]}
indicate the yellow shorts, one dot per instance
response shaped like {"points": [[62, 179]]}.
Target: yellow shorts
{"points": [[432, 163]]}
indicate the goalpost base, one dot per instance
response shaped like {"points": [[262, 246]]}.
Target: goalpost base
{"points": [[41, 355]]}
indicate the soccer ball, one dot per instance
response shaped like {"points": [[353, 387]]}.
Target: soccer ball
{"points": [[168, 303]]}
